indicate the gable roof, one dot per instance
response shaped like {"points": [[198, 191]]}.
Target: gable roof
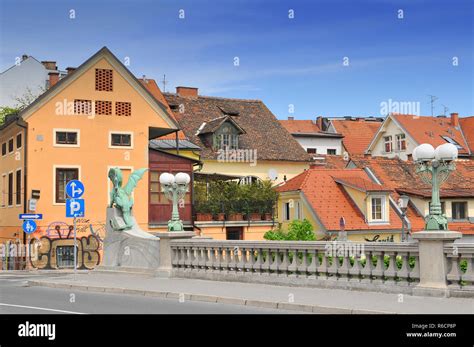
{"points": [[263, 132], [401, 177], [427, 129], [357, 133], [467, 128], [104, 52], [330, 201]]}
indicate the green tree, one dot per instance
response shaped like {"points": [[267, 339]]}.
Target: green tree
{"points": [[5, 111]]}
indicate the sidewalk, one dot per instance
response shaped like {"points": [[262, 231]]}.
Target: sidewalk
{"points": [[258, 295]]}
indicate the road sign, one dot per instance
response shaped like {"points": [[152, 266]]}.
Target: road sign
{"points": [[32, 204], [75, 189], [30, 216], [29, 226], [75, 208]]}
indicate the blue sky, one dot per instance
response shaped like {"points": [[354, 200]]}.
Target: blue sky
{"points": [[282, 61]]}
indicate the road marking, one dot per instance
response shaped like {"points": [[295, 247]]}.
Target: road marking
{"points": [[41, 308]]}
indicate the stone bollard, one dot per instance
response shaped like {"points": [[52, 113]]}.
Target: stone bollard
{"points": [[433, 263], [165, 266]]}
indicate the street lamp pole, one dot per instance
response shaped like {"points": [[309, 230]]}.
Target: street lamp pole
{"points": [[434, 168], [175, 188], [403, 205]]}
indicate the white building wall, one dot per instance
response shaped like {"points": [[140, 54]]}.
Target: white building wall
{"points": [[321, 144], [14, 82], [391, 128]]}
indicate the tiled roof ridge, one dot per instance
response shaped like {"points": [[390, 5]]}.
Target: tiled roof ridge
{"points": [[216, 97]]}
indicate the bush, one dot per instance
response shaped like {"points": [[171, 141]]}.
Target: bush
{"points": [[297, 231]]}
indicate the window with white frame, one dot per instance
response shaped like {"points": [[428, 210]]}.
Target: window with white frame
{"points": [[378, 209], [388, 144], [298, 211], [401, 142], [119, 139], [66, 138]]}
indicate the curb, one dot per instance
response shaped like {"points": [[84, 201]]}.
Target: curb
{"points": [[211, 299]]}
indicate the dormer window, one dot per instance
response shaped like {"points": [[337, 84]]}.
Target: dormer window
{"points": [[377, 210], [228, 141], [388, 144]]}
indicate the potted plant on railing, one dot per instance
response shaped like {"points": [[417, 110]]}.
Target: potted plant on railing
{"points": [[218, 210], [235, 211], [203, 211]]}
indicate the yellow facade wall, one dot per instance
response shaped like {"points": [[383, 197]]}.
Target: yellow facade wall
{"points": [[423, 205], [10, 225], [93, 157]]}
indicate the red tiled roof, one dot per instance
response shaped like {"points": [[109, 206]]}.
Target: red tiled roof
{"points": [[467, 126], [300, 126], [357, 134], [329, 161], [362, 184], [330, 201], [263, 132], [424, 129], [400, 176]]}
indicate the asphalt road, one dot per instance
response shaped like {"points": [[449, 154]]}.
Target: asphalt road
{"points": [[16, 298]]}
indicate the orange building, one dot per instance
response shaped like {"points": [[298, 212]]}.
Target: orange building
{"points": [[97, 117]]}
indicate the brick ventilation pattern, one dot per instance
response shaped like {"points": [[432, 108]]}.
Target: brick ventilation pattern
{"points": [[104, 80], [82, 106], [123, 108], [103, 107]]}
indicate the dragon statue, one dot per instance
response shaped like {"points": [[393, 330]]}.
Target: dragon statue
{"points": [[121, 197]]}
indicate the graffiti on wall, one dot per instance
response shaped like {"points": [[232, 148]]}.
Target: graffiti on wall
{"points": [[55, 248], [57, 253]]}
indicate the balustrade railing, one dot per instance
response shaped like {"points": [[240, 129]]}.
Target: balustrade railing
{"points": [[374, 263], [460, 263]]}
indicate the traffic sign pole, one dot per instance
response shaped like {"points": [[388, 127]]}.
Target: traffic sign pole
{"points": [[75, 250]]}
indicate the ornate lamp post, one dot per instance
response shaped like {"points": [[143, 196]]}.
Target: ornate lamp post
{"points": [[175, 187], [403, 205], [434, 168]]}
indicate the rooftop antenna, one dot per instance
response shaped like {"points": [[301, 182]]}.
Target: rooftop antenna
{"points": [[433, 98], [445, 109], [165, 82]]}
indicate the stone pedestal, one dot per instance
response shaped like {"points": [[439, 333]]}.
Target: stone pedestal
{"points": [[164, 268], [129, 249], [433, 264]]}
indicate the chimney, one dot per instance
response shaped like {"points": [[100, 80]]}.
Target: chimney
{"points": [[53, 78], [24, 57], [70, 70], [187, 92], [319, 122], [454, 119], [49, 65], [291, 118]]}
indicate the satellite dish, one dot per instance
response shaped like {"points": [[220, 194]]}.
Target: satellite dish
{"points": [[273, 174]]}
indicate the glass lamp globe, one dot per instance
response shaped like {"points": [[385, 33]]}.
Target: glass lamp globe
{"points": [[448, 151], [182, 178], [403, 201], [424, 151], [166, 178]]}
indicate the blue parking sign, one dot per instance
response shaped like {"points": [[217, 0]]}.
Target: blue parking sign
{"points": [[29, 226], [75, 208]]}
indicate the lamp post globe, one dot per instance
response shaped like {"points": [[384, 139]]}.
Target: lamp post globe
{"points": [[446, 152], [166, 178], [423, 152], [182, 178]]}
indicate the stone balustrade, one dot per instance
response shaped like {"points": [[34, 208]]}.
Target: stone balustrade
{"points": [[460, 259], [392, 267]]}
